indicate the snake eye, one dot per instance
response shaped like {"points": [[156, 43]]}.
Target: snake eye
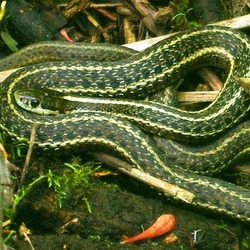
{"points": [[34, 103]]}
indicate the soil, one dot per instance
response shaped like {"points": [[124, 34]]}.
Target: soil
{"points": [[120, 206]]}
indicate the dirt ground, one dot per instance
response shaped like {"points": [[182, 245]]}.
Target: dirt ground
{"points": [[120, 206]]}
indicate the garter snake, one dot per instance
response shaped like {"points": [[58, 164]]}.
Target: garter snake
{"points": [[148, 72], [135, 78]]}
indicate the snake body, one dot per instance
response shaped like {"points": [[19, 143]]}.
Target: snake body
{"points": [[108, 121]]}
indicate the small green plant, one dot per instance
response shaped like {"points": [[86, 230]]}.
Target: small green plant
{"points": [[245, 243], [6, 37], [16, 149], [181, 20], [2, 9], [19, 195], [222, 225], [75, 176]]}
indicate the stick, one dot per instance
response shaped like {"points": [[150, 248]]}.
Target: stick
{"points": [[197, 96], [5, 74], [163, 186], [235, 23], [29, 152]]}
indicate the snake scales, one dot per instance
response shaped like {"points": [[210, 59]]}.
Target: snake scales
{"points": [[108, 88]]}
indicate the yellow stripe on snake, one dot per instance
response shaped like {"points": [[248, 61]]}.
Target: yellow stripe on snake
{"points": [[107, 111]]}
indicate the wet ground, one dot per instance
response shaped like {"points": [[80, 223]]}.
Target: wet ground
{"points": [[120, 206]]}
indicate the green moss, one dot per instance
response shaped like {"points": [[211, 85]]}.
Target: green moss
{"points": [[181, 20], [74, 177]]}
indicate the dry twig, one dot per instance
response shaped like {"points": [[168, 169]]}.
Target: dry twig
{"points": [[29, 152], [163, 186]]}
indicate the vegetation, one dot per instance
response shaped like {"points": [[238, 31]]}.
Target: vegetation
{"points": [[6, 37]]}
